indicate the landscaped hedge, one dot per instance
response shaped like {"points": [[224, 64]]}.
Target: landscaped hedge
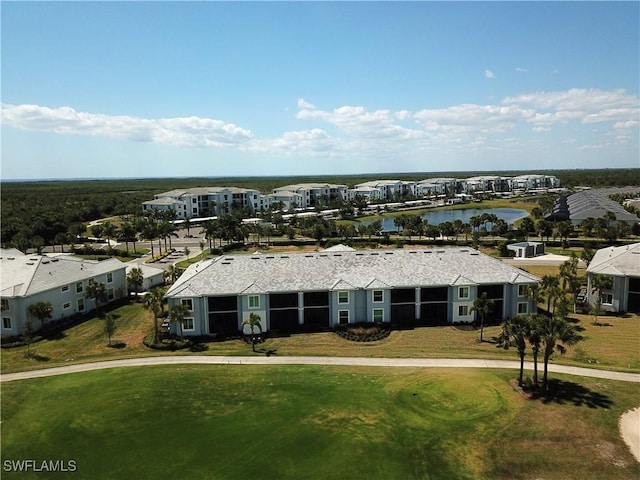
{"points": [[172, 344], [363, 331]]}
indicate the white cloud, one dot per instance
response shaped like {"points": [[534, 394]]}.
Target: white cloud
{"points": [[302, 103], [521, 70], [489, 74], [354, 133], [179, 131]]}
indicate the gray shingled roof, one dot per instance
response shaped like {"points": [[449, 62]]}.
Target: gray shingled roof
{"points": [[30, 274], [323, 271], [618, 261]]}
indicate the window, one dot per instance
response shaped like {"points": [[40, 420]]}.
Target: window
{"points": [[254, 301], [65, 288], [343, 316], [522, 290], [193, 200], [378, 296], [79, 287], [607, 299], [343, 297], [523, 308], [110, 295], [463, 310], [463, 292], [66, 305], [4, 304], [6, 323], [81, 304], [187, 302], [187, 324], [378, 315], [110, 277]]}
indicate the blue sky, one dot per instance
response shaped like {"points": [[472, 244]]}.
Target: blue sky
{"points": [[157, 89]]}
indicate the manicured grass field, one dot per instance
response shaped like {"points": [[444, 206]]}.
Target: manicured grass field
{"points": [[292, 422], [614, 346]]}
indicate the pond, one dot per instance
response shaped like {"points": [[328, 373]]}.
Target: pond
{"points": [[437, 217]]}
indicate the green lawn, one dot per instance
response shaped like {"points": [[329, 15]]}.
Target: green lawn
{"points": [[614, 346], [292, 422]]}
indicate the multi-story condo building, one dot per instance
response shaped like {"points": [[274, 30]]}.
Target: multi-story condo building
{"points": [[316, 194], [390, 189], [206, 201], [324, 289], [60, 280]]}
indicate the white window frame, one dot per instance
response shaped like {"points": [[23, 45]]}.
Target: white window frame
{"points": [[5, 304], [340, 293], [373, 314], [109, 277], [79, 287], [66, 305], [185, 328], [64, 288], [525, 310], [81, 305], [465, 289], [373, 296], [187, 302], [605, 297], [253, 301], [460, 310], [340, 313], [110, 294], [522, 290], [6, 323]]}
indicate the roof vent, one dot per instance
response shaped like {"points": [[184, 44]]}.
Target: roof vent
{"points": [[337, 254], [308, 256], [375, 253], [255, 258], [226, 263], [324, 255], [388, 253], [270, 256], [284, 256]]}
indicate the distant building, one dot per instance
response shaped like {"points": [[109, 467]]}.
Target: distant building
{"points": [[622, 264], [315, 194], [324, 289], [526, 249], [205, 201], [592, 204], [60, 280]]}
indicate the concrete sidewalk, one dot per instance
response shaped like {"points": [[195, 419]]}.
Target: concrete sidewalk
{"points": [[343, 361]]}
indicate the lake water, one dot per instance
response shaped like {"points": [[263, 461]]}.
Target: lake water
{"points": [[437, 217]]}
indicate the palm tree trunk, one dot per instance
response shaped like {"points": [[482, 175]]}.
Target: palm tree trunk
{"points": [[521, 370]]}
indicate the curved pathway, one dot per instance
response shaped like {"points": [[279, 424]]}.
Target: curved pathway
{"points": [[346, 361]]}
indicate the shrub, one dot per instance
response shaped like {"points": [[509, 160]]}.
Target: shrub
{"points": [[363, 331]]}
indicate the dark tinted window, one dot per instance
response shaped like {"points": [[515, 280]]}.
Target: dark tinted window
{"points": [[223, 304], [283, 300], [403, 295]]}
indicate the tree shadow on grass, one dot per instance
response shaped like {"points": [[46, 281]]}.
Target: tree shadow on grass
{"points": [[267, 351], [562, 393], [117, 344], [38, 358]]}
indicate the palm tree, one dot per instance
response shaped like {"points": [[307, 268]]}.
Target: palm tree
{"points": [[535, 340], [599, 283], [483, 306], [548, 286], [515, 332], [136, 278], [553, 330], [97, 291], [177, 313], [42, 311], [171, 273], [154, 302], [109, 231], [253, 322]]}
